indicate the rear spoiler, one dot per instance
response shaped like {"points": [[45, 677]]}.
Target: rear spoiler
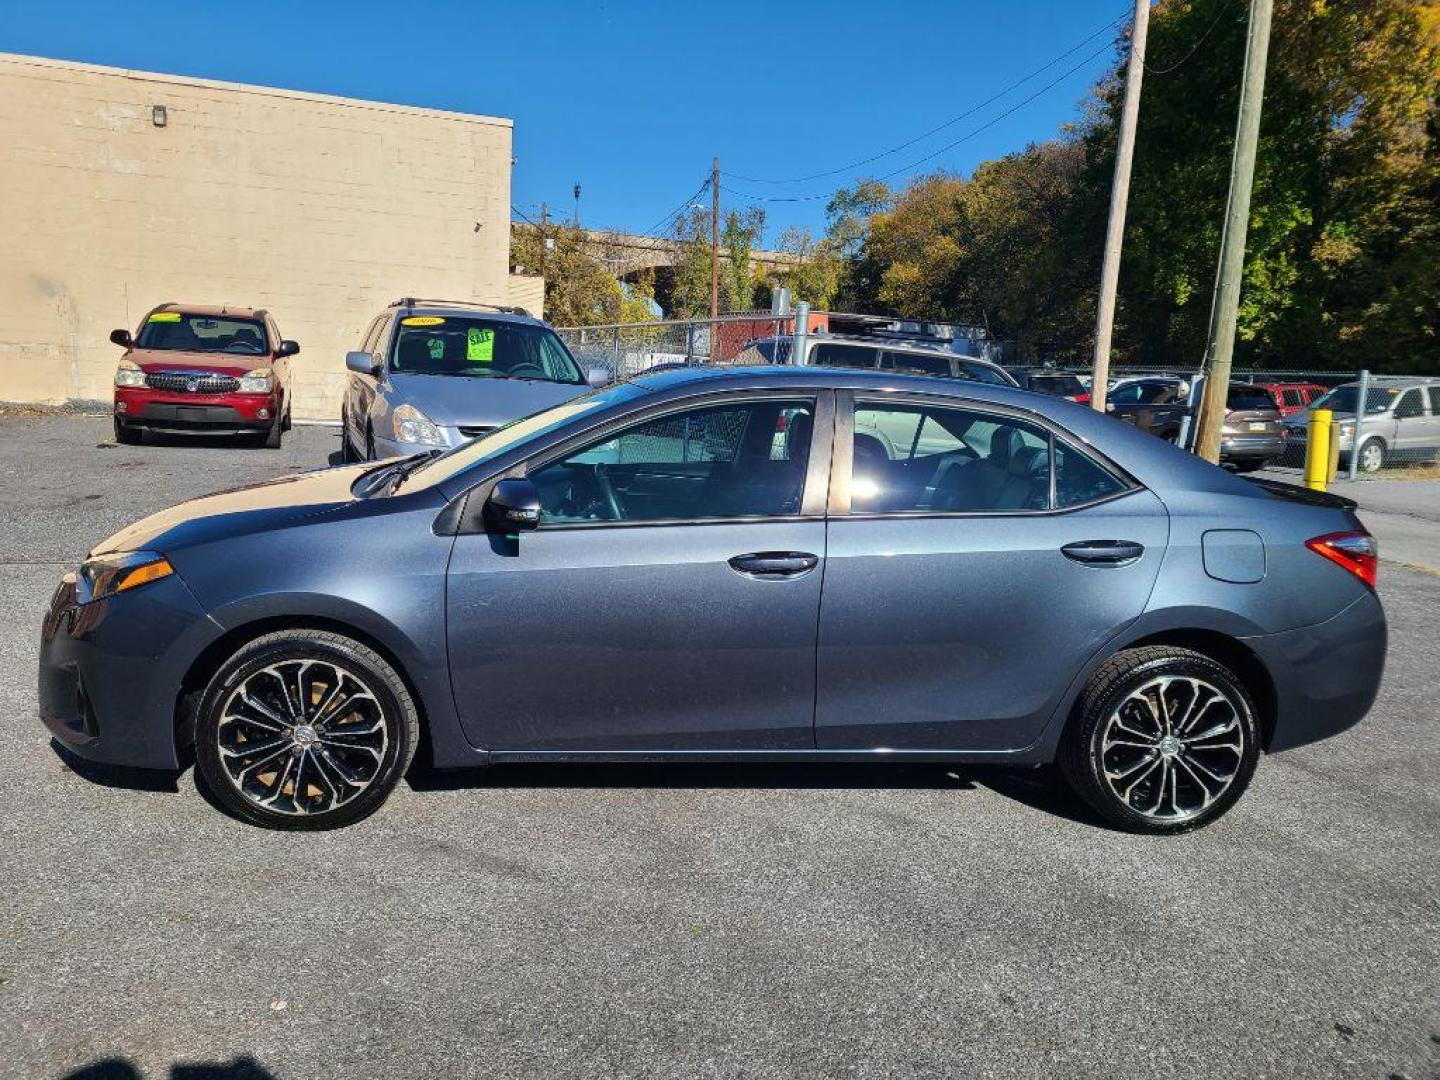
{"points": [[1294, 493]]}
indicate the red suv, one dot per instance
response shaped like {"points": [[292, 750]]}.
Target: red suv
{"points": [[1292, 397], [198, 370]]}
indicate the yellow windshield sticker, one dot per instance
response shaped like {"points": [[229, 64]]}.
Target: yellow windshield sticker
{"points": [[479, 345], [422, 320], [164, 316]]}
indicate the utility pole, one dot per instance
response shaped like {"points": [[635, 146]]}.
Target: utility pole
{"points": [[1220, 346], [544, 242], [714, 241], [1119, 197]]}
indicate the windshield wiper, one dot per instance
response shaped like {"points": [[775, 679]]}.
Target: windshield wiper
{"points": [[408, 466]]}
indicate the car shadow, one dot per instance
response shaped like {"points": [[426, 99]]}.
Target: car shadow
{"points": [[119, 1068], [1040, 789], [117, 776]]}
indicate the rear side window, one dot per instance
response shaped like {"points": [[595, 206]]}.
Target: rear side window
{"points": [[923, 459], [1293, 397], [916, 363], [835, 354], [1080, 479], [1434, 392]]}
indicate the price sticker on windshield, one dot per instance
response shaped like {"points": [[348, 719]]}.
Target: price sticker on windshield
{"points": [[422, 320], [164, 316], [479, 345]]}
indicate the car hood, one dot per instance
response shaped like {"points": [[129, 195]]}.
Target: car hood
{"points": [[152, 360], [254, 508], [478, 401]]}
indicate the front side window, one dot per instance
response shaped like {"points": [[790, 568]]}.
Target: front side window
{"points": [[916, 458], [916, 363], [727, 461], [1434, 392], [1292, 398], [178, 330], [474, 346]]}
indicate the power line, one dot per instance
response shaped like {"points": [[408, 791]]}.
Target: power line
{"points": [[948, 123], [1224, 10], [944, 149]]}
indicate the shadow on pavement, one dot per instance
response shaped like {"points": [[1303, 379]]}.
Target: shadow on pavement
{"points": [[117, 1068], [116, 776]]}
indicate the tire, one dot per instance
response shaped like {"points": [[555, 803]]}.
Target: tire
{"points": [[275, 435], [1112, 758], [347, 759], [1372, 455], [124, 433]]}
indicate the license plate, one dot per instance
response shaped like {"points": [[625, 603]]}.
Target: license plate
{"points": [[1257, 425]]}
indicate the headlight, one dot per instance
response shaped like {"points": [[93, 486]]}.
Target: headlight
{"points": [[259, 381], [129, 374], [106, 575], [413, 426]]}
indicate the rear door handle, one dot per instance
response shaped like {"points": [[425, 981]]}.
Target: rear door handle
{"points": [[775, 564], [1103, 552]]}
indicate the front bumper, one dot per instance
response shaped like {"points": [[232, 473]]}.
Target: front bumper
{"points": [[111, 670], [1327, 675], [154, 410]]}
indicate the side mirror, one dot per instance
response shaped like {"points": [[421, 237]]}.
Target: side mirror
{"points": [[513, 506], [362, 362], [287, 348], [598, 376], [122, 337]]}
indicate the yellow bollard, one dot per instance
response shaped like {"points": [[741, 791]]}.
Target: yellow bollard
{"points": [[1317, 449]]}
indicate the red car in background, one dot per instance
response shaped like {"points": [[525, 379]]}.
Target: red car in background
{"points": [[1291, 398], [197, 370]]}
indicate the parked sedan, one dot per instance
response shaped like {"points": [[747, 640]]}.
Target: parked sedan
{"points": [[430, 374], [728, 564]]}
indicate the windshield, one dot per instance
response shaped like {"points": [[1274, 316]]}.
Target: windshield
{"points": [[1342, 399], [202, 333], [459, 458], [475, 346]]}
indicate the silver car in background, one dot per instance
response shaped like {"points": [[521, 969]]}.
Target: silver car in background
{"points": [[432, 374], [1401, 421]]}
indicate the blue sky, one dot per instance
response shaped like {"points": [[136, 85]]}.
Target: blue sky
{"points": [[632, 98]]}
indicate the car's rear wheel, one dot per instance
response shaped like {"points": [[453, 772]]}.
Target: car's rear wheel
{"points": [[1164, 740], [1372, 455], [125, 433], [304, 729]]}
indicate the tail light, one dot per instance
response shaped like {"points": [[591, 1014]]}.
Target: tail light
{"points": [[1357, 552]]}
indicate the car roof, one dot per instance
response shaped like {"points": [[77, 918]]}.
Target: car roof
{"points": [[213, 310], [461, 308]]}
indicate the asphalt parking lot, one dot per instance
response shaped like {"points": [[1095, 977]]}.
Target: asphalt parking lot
{"points": [[759, 921]]}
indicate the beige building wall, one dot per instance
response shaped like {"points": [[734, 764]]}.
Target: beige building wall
{"points": [[321, 209], [528, 291]]}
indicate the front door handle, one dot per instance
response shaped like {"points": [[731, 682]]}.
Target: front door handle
{"points": [[1103, 552], [775, 564]]}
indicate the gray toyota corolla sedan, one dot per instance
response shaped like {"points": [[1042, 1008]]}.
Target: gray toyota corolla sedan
{"points": [[743, 564]]}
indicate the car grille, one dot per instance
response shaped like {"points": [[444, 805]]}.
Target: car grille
{"points": [[181, 383], [474, 432]]}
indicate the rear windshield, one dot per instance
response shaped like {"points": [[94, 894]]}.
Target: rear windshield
{"points": [[1249, 397], [1342, 399], [202, 333], [474, 346]]}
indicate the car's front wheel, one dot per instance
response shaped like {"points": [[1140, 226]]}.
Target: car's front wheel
{"points": [[304, 729], [124, 433], [1372, 455], [1163, 740]]}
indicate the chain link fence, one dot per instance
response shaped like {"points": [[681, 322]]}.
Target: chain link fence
{"points": [[628, 349]]}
